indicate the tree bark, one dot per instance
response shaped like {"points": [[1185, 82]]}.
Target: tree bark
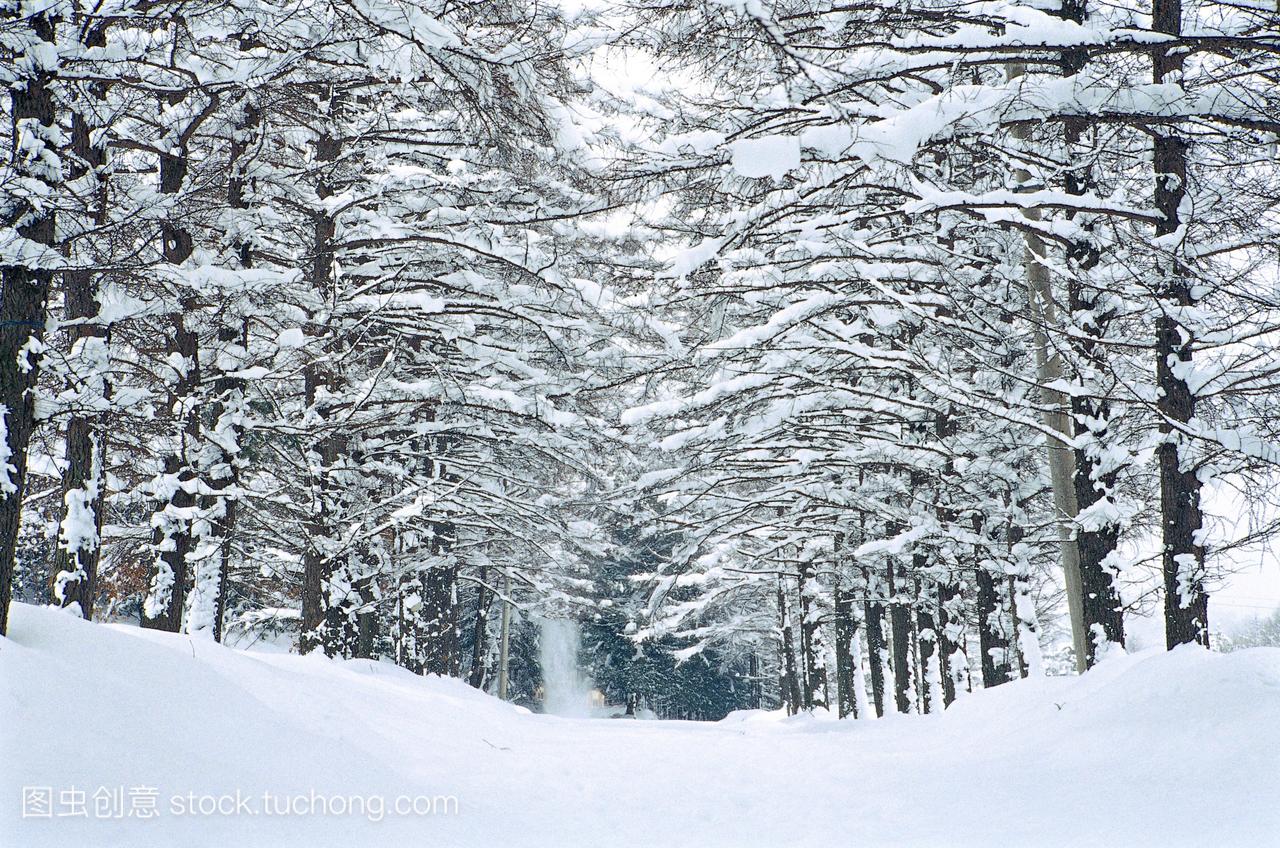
{"points": [[478, 641], [1056, 418], [318, 562], [75, 564], [815, 671], [504, 640], [755, 697], [932, 675], [171, 539], [439, 621], [927, 648], [439, 643], [790, 683], [955, 662], [846, 627], [25, 293], [877, 645], [992, 641], [228, 408], [946, 428], [1186, 614], [1094, 476], [900, 620], [1026, 624]]}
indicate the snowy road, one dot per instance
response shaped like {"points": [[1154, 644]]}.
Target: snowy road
{"points": [[1176, 749]]}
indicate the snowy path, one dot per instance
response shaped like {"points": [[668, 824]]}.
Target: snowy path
{"points": [[1106, 759]]}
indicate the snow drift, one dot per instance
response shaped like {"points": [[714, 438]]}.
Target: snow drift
{"points": [[1151, 749]]}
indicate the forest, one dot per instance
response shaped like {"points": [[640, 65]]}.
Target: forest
{"points": [[808, 357]]}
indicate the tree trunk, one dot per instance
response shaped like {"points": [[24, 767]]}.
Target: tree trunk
{"points": [[318, 562], [1056, 418], [1094, 473], [755, 697], [439, 632], [932, 698], [171, 540], [992, 641], [478, 641], [504, 640], [1103, 611], [25, 287], [877, 645], [790, 683], [846, 627], [955, 661], [439, 639], [1026, 623], [228, 408], [75, 564], [1186, 613], [815, 670], [947, 593], [900, 620], [366, 620]]}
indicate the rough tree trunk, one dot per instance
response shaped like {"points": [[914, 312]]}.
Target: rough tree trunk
{"points": [[439, 633], [790, 683], [877, 645], [228, 409], [1091, 412], [815, 670], [1186, 613], [366, 634], [755, 697], [1056, 417], [900, 620], [171, 538], [478, 642], [75, 564], [948, 592], [931, 673], [1026, 624], [992, 641], [318, 561], [955, 661], [846, 627], [25, 287]]}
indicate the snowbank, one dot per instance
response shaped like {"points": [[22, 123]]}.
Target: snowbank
{"points": [[1153, 749]]}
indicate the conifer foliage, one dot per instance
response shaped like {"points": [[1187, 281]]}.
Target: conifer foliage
{"points": [[914, 345]]}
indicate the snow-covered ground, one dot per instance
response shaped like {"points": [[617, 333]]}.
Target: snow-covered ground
{"points": [[1151, 749]]}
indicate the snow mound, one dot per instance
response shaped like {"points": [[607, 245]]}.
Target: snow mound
{"points": [[1149, 749]]}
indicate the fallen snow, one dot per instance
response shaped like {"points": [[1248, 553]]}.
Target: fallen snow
{"points": [[770, 156], [1150, 749]]}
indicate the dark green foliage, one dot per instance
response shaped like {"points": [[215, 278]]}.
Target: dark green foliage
{"points": [[704, 686]]}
